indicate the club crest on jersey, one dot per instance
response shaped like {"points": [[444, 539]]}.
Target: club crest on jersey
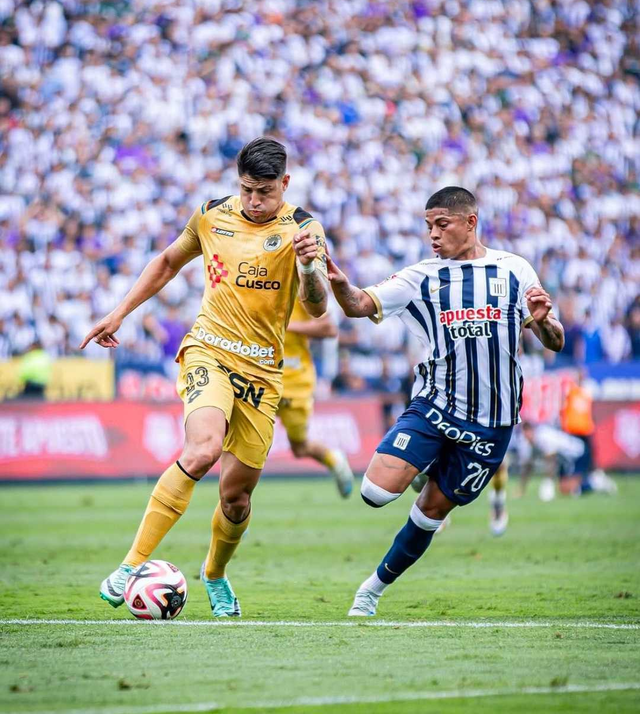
{"points": [[497, 287], [216, 270], [470, 321], [272, 243]]}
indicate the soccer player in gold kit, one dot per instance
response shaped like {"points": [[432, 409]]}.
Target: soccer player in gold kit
{"points": [[296, 404], [259, 252]]}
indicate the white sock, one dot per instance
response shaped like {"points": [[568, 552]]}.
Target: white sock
{"points": [[374, 583], [498, 498]]}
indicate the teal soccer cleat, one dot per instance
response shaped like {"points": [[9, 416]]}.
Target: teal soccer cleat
{"points": [[112, 588], [342, 474], [222, 599]]}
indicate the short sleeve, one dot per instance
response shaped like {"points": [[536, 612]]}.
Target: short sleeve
{"points": [[528, 279], [393, 294], [189, 241]]}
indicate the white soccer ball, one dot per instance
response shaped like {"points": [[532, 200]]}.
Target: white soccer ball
{"points": [[157, 590]]}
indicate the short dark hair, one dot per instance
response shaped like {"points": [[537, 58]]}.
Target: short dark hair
{"points": [[454, 198], [262, 158]]}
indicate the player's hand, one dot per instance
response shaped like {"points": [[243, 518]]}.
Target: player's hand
{"points": [[335, 275], [104, 332], [305, 247], [538, 302]]}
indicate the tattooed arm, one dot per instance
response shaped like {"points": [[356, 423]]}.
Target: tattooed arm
{"points": [[353, 301], [313, 291]]}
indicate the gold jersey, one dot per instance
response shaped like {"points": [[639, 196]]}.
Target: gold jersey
{"points": [[299, 374], [251, 282]]}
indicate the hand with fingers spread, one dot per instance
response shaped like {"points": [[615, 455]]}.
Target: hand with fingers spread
{"points": [[305, 247], [104, 332], [539, 303]]}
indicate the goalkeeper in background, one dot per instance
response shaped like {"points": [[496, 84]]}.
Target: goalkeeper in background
{"points": [[296, 405]]}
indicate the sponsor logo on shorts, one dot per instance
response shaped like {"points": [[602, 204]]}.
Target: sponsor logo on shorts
{"points": [[402, 441], [264, 355], [243, 388], [194, 395], [216, 270], [253, 277], [470, 321], [272, 243], [460, 436]]}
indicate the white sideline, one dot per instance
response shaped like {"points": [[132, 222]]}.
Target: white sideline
{"points": [[360, 622], [332, 701]]}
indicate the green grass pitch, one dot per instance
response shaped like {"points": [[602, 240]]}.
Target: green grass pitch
{"points": [[560, 564]]}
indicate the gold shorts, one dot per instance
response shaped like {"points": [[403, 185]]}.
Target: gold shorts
{"points": [[249, 403], [294, 414]]}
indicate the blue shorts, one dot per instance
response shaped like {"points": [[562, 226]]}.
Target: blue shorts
{"points": [[460, 456]]}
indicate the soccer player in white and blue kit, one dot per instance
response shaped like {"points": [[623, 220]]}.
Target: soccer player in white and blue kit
{"points": [[467, 306]]}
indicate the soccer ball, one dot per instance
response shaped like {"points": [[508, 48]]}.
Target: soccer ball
{"points": [[157, 590]]}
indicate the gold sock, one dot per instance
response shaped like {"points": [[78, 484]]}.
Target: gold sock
{"points": [[500, 479], [329, 459], [169, 500], [225, 539]]}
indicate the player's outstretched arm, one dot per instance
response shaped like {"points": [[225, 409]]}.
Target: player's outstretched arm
{"points": [[319, 328], [546, 327], [153, 278], [313, 291], [353, 301]]}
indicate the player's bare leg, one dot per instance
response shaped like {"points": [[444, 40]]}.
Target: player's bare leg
{"points": [[230, 521], [387, 478], [334, 459], [498, 500], [205, 430], [426, 516]]}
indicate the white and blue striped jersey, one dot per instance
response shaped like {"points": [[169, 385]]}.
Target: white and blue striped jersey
{"points": [[468, 314]]}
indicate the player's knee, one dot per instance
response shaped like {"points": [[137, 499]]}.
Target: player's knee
{"points": [[299, 449], [375, 496], [198, 459], [236, 504]]}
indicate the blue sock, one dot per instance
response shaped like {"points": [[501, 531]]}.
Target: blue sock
{"points": [[408, 546]]}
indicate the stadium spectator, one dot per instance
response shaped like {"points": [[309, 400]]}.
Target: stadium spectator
{"points": [[113, 117]]}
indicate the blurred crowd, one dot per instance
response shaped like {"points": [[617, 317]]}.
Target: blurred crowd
{"points": [[118, 118]]}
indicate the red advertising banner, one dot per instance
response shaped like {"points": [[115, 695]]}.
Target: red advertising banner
{"points": [[617, 438], [124, 439]]}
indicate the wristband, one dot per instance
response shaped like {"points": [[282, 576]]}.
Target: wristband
{"points": [[308, 269]]}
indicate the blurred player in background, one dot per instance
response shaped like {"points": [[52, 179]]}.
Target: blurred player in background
{"points": [[296, 405], [576, 418], [467, 307], [560, 454], [259, 252]]}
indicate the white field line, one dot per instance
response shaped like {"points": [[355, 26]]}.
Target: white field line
{"points": [[337, 700], [360, 622]]}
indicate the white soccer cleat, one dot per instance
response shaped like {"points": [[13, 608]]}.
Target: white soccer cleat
{"points": [[547, 490], [499, 525], [365, 603], [112, 588], [602, 483], [342, 474]]}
